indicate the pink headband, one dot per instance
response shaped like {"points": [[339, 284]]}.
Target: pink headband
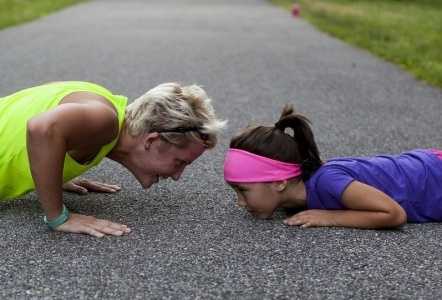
{"points": [[243, 166]]}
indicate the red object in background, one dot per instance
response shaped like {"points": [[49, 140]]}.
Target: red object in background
{"points": [[296, 10]]}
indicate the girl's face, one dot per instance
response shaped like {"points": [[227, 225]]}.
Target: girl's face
{"points": [[260, 199]]}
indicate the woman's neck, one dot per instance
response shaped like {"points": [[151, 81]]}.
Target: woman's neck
{"points": [[120, 152]]}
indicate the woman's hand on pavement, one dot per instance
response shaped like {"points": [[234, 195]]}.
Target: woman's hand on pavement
{"points": [[90, 225], [83, 186]]}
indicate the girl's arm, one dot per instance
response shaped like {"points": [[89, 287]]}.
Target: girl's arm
{"points": [[367, 206]]}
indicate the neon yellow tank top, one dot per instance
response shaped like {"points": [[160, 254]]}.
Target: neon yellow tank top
{"points": [[17, 109]]}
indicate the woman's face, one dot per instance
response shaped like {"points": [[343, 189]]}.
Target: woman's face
{"points": [[260, 199], [154, 158]]}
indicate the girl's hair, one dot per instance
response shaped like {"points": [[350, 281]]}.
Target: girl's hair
{"points": [[178, 113], [275, 143]]}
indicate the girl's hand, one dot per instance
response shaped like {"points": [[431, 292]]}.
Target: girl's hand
{"points": [[366, 207], [83, 186], [90, 225], [312, 218]]}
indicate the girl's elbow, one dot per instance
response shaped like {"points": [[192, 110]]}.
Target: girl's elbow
{"points": [[398, 217]]}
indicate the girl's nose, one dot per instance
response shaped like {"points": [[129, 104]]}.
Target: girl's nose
{"points": [[241, 202]]}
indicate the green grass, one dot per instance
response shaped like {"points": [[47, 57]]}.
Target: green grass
{"points": [[13, 12], [405, 32]]}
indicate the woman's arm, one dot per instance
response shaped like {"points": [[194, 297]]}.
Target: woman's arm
{"points": [[53, 133], [367, 206]]}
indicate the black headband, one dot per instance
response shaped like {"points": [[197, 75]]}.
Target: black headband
{"points": [[203, 136], [180, 129]]}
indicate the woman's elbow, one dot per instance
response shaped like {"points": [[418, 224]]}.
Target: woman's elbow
{"points": [[38, 128], [34, 127]]}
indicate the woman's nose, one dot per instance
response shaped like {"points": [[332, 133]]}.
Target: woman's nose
{"points": [[177, 174]]}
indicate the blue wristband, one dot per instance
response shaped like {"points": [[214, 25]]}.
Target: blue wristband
{"points": [[61, 219]]}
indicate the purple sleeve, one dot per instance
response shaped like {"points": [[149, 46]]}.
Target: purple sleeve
{"points": [[330, 186]]}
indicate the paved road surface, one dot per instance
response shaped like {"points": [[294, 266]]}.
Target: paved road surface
{"points": [[189, 240]]}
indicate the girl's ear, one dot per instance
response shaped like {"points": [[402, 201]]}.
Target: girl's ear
{"points": [[279, 186]]}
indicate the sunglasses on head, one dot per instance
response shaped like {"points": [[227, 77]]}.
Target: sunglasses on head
{"points": [[203, 136]]}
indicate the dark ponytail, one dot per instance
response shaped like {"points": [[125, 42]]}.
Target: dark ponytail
{"points": [[305, 140], [275, 143]]}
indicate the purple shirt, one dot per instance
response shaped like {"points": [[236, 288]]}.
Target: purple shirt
{"points": [[413, 179]]}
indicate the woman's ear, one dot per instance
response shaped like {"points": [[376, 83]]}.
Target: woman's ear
{"points": [[279, 186], [149, 138]]}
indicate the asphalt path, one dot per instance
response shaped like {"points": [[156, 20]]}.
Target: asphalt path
{"points": [[189, 239]]}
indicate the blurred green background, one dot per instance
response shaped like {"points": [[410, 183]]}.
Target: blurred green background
{"points": [[405, 32], [13, 12]]}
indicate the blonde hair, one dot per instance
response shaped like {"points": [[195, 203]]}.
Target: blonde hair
{"points": [[178, 113]]}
